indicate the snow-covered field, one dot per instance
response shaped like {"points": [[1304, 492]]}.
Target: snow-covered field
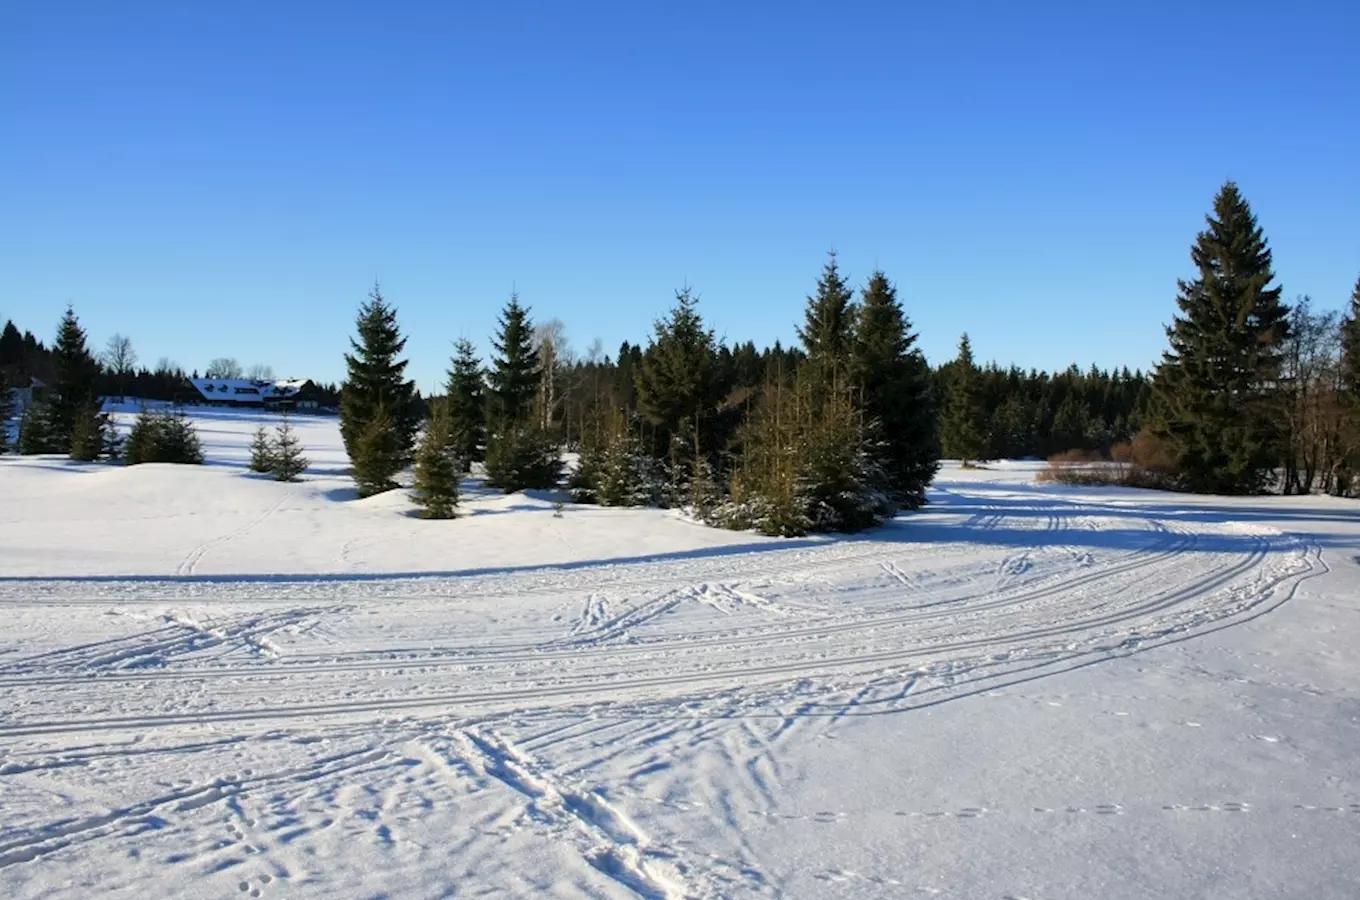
{"points": [[214, 685]]}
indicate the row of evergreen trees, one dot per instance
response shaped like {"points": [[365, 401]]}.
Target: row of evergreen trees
{"points": [[834, 436]]}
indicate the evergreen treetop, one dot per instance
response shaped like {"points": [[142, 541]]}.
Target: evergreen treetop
{"points": [[678, 390], [514, 375], [829, 326], [75, 389], [962, 426], [11, 350], [466, 414]]}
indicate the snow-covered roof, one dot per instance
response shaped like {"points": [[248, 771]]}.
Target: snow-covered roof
{"points": [[244, 390]]}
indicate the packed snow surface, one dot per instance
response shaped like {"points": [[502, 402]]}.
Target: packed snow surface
{"points": [[215, 685]]}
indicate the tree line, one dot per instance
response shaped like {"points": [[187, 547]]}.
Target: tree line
{"points": [[832, 433], [121, 373]]}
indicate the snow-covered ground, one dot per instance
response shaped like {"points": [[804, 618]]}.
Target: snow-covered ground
{"points": [[215, 685]]}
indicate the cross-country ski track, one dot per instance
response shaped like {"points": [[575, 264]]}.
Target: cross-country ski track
{"points": [[1020, 691]]}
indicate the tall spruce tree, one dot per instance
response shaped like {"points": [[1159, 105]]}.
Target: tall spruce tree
{"points": [[514, 375], [963, 425], [894, 382], [467, 405], [678, 385], [828, 331], [375, 388], [75, 390], [1214, 391]]}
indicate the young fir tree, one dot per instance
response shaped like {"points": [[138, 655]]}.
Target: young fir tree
{"points": [[376, 381], [437, 469], [807, 463], [514, 376], [88, 434], [679, 388], [828, 331], [522, 456], [1215, 389], [467, 405], [615, 470], [75, 388], [287, 461], [35, 431], [962, 426], [378, 455], [160, 437], [895, 387], [261, 451]]}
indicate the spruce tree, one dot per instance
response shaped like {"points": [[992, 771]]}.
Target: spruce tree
{"points": [[614, 469], [161, 437], [962, 426], [437, 470], [828, 331], [1216, 387], [75, 388], [467, 405], [261, 451], [678, 386], [523, 457], [377, 455], [376, 381], [88, 434], [35, 431], [287, 460], [514, 376], [894, 382]]}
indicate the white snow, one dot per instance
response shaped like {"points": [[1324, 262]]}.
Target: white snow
{"points": [[215, 685]]}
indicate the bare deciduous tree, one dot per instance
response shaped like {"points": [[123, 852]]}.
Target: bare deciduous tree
{"points": [[223, 367], [120, 359], [260, 372]]}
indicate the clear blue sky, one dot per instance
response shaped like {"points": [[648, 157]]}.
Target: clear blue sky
{"points": [[228, 178]]}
